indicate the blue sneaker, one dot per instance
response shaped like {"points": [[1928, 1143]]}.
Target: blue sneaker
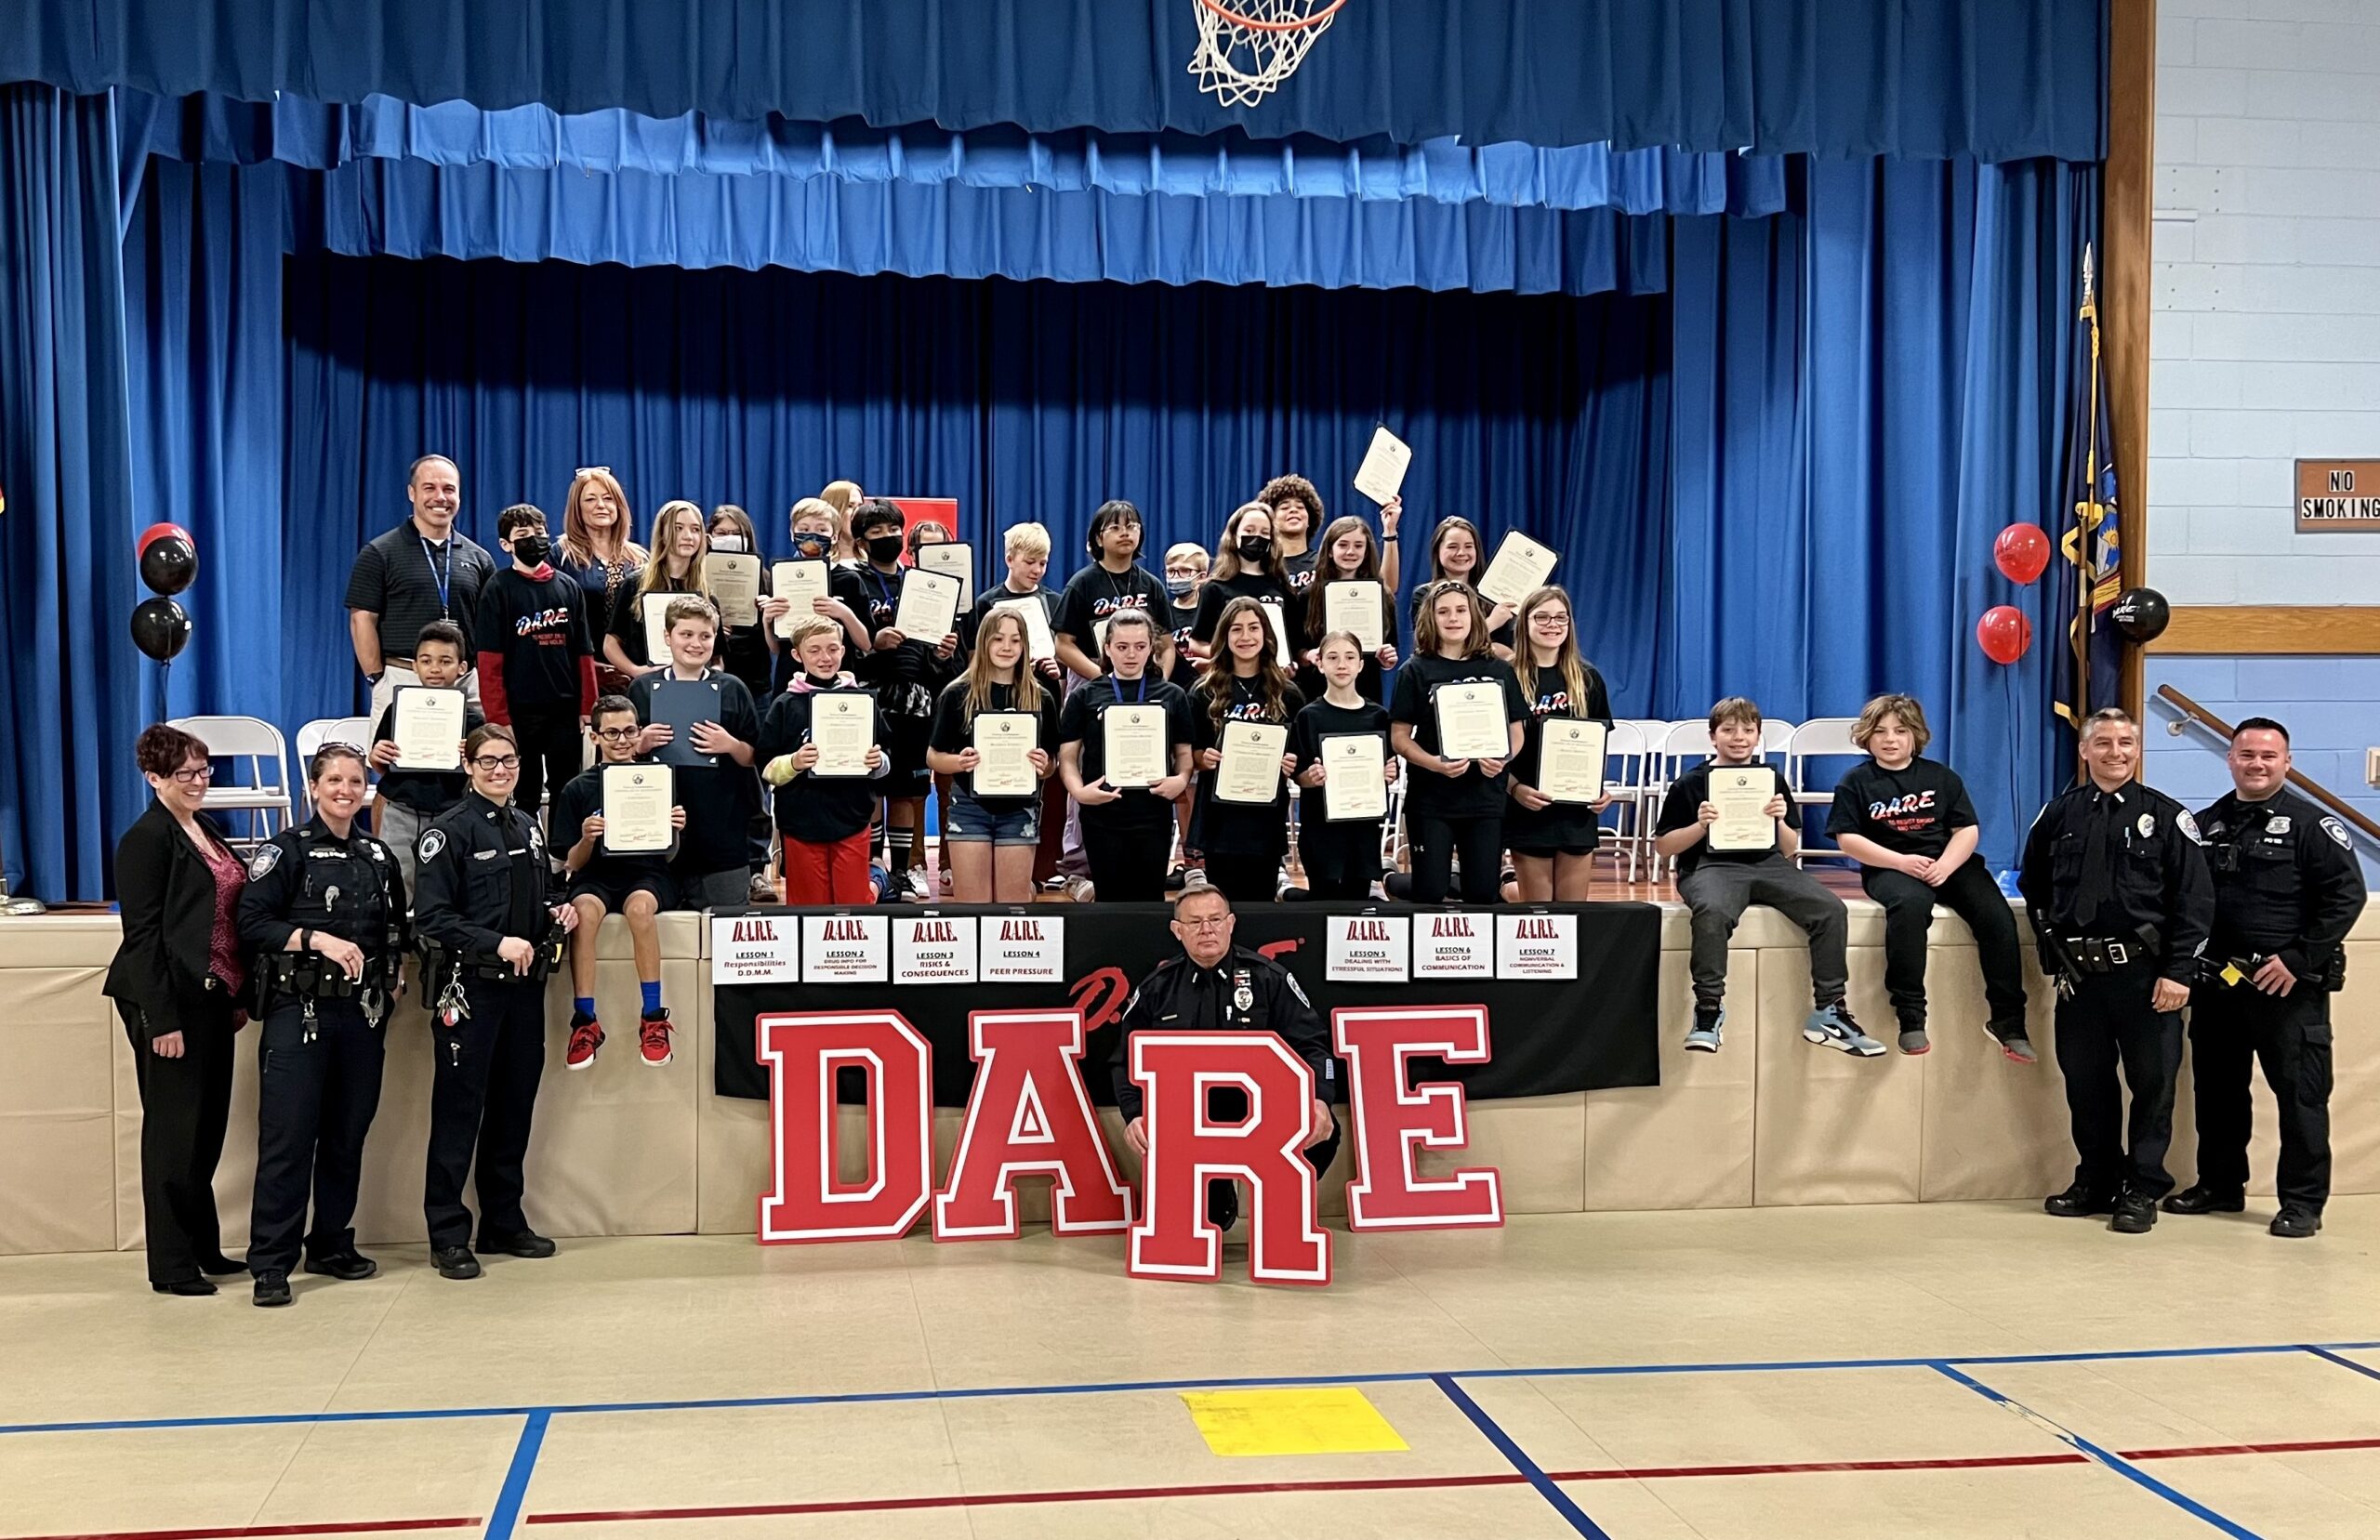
{"points": [[1710, 1029], [1831, 1026]]}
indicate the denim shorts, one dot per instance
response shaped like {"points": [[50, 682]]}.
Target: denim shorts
{"points": [[974, 823]]}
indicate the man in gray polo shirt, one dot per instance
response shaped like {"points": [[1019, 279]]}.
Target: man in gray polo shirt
{"points": [[417, 573]]}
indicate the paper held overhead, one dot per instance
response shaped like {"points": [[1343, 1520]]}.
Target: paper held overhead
{"points": [[1381, 475]]}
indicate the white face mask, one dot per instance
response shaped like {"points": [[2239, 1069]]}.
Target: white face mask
{"points": [[728, 544]]}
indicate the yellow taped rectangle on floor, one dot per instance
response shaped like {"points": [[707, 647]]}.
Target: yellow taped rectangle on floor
{"points": [[1340, 1421]]}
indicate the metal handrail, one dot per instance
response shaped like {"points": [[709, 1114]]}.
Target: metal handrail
{"points": [[2298, 779]]}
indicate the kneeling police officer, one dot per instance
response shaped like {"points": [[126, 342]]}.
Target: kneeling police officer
{"points": [[490, 933], [324, 908]]}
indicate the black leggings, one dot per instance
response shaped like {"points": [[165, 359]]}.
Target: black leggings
{"points": [[1435, 842], [551, 755], [1128, 863], [1245, 879]]}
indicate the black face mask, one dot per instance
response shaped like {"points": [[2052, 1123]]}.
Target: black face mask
{"points": [[1255, 548], [532, 549], [884, 549]]}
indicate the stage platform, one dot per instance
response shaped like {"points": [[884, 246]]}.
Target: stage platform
{"points": [[625, 1150]]}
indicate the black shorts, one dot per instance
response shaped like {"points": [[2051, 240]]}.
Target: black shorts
{"points": [[1564, 829], [614, 895], [904, 747]]}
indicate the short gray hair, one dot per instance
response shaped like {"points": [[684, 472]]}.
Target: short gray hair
{"points": [[2107, 717]]}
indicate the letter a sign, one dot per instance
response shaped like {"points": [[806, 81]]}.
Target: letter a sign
{"points": [[1030, 1116]]}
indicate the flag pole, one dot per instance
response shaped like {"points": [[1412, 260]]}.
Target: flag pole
{"points": [[2085, 521]]}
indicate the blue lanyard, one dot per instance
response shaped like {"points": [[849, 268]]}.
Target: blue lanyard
{"points": [[1141, 693], [442, 578], [884, 590]]}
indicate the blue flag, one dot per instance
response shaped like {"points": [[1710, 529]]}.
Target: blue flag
{"points": [[2092, 573]]}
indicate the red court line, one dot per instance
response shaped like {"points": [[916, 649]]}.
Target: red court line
{"points": [[234, 1532], [2301, 1446], [1804, 1468]]}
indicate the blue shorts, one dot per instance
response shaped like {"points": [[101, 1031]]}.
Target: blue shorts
{"points": [[974, 823]]}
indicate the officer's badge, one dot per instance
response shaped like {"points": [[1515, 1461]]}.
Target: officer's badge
{"points": [[266, 858], [2277, 825], [1243, 999], [2147, 824], [2337, 831], [2215, 830], [2188, 825], [431, 843]]}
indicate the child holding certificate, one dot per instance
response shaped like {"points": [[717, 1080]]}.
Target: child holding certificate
{"points": [[537, 671], [1340, 854], [1026, 547], [1909, 823], [1455, 557], [1247, 566], [1114, 582], [993, 734], [1728, 826], [1348, 555], [712, 867], [1454, 804], [906, 673], [410, 799], [634, 883], [680, 544], [1242, 836], [824, 818], [811, 526], [1124, 750], [1553, 830]]}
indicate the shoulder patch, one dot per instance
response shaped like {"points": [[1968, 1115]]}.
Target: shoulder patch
{"points": [[263, 862], [2188, 825], [2337, 831], [431, 843]]}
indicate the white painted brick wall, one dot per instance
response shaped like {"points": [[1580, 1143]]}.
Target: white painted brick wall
{"points": [[2266, 343]]}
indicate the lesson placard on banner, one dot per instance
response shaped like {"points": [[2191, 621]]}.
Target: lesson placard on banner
{"points": [[1537, 946], [1454, 946], [934, 949], [1023, 949], [846, 949], [754, 948], [1369, 949]]}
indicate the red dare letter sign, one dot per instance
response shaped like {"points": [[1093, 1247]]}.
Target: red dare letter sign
{"points": [[1188, 1147], [1394, 1118], [803, 1050], [1029, 1116]]}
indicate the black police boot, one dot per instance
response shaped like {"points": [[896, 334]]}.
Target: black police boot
{"points": [[273, 1288], [347, 1267], [2201, 1199], [2294, 1223], [2135, 1215], [454, 1262], [2079, 1201], [220, 1266], [189, 1289], [528, 1244]]}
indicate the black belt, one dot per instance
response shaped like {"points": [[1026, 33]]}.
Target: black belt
{"points": [[2104, 955]]}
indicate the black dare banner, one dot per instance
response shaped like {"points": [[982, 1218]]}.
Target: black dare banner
{"points": [[1547, 1036]]}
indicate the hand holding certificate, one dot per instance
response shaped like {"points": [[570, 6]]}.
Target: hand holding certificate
{"points": [[1041, 644], [1355, 606], [1381, 475], [428, 729], [1132, 740], [799, 584], [1354, 778], [929, 609], [735, 586], [1471, 724], [1570, 759], [1250, 771], [1741, 795], [1521, 566], [637, 799], [952, 559], [1004, 741], [842, 729], [682, 705]]}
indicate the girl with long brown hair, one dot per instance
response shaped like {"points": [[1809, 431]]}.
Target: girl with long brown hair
{"points": [[1243, 841]]}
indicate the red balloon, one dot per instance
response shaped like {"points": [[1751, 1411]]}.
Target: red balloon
{"points": [[2004, 633], [155, 532], [2022, 552]]}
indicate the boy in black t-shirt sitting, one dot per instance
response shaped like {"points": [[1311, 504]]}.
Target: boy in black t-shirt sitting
{"points": [[1718, 884], [1909, 823], [604, 883]]}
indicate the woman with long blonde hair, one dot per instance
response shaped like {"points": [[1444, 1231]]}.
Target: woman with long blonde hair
{"points": [[988, 841], [1553, 843], [843, 496], [1243, 842], [680, 543], [597, 548]]}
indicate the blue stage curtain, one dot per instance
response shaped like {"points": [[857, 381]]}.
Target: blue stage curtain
{"points": [[73, 691], [1990, 79], [321, 137]]}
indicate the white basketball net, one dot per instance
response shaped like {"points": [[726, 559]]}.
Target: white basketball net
{"points": [[1247, 47]]}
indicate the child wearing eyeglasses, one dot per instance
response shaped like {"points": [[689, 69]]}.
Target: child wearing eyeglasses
{"points": [[600, 883]]}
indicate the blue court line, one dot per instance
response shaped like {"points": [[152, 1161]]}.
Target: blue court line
{"points": [[1405, 1376], [1572, 1514], [507, 1514], [2113, 1461], [2364, 1369]]}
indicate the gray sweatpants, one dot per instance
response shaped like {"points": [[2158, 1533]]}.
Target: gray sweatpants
{"points": [[1719, 893]]}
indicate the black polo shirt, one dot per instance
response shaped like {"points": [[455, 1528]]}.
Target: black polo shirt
{"points": [[409, 580]]}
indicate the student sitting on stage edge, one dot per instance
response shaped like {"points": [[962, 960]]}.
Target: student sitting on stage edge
{"points": [[711, 868], [824, 819], [1909, 823], [600, 883], [1719, 885], [409, 799]]}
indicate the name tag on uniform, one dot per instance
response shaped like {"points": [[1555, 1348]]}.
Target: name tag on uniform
{"points": [[485, 855]]}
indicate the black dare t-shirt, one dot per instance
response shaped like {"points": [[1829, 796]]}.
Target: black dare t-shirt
{"points": [[1472, 794], [1912, 811]]}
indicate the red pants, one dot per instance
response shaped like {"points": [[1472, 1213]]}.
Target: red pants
{"points": [[828, 874]]}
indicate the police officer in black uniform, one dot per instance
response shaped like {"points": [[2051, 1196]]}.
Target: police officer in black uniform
{"points": [[2287, 887], [491, 932], [324, 909], [2118, 893], [1216, 986]]}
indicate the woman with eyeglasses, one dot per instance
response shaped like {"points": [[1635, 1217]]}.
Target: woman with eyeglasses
{"points": [[487, 916], [324, 910], [180, 984]]}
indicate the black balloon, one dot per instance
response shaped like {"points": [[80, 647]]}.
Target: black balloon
{"points": [[160, 628], [169, 564], [2141, 615]]}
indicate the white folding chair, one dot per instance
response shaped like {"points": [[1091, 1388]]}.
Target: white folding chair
{"points": [[1625, 761], [1775, 737], [1819, 738], [334, 730], [1680, 746], [260, 744]]}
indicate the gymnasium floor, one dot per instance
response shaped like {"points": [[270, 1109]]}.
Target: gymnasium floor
{"points": [[1950, 1370]]}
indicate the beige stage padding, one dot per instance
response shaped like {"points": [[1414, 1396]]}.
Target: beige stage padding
{"points": [[57, 1107], [1687, 1142], [1991, 1128]]}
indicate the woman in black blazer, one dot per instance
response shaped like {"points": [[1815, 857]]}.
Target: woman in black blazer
{"points": [[180, 981]]}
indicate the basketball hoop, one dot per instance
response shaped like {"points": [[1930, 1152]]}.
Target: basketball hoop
{"points": [[1247, 47]]}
